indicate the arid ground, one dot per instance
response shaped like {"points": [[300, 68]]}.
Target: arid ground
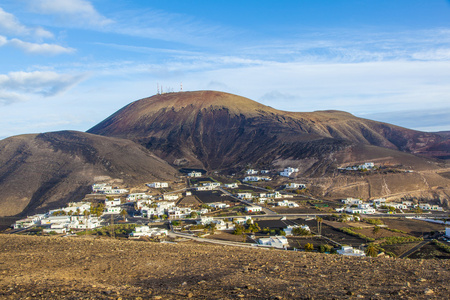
{"points": [[94, 268]]}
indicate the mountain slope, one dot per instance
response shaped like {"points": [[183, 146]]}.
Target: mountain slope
{"points": [[41, 171], [217, 130]]}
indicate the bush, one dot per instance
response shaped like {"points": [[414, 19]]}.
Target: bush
{"points": [[357, 234], [442, 246], [400, 239], [376, 222]]}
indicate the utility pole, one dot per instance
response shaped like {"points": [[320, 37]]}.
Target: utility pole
{"points": [[112, 226]]}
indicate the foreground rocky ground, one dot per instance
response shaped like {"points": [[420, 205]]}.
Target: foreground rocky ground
{"points": [[88, 268]]}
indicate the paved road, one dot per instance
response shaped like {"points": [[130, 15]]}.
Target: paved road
{"points": [[203, 240], [414, 249]]}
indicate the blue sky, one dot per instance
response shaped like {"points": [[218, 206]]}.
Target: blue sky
{"points": [[68, 64]]}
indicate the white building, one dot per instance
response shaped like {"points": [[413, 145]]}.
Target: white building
{"points": [[287, 203], [366, 166], [244, 195], [352, 201], [158, 185], [28, 221], [148, 231], [233, 185], [350, 251], [170, 197], [204, 188], [218, 205], [195, 174], [253, 209], [293, 185], [447, 232], [101, 187], [288, 171], [251, 172], [379, 202], [256, 178], [113, 202], [74, 207], [138, 196], [274, 241]]}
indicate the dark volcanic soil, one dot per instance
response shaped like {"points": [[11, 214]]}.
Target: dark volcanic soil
{"points": [[77, 268]]}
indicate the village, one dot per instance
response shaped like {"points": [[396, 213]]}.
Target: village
{"points": [[239, 212]]}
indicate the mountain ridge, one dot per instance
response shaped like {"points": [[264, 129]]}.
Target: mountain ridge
{"points": [[197, 127]]}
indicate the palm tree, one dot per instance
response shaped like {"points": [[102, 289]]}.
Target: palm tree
{"points": [[319, 225], [124, 214], [372, 251]]}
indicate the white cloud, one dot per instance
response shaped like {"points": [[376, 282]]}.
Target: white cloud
{"points": [[9, 98], [79, 11], [10, 25], [49, 49], [38, 82]]}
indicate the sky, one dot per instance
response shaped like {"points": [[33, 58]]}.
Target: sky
{"points": [[69, 64]]}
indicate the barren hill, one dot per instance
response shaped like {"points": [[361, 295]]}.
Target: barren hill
{"points": [[74, 268], [218, 130], [43, 171]]}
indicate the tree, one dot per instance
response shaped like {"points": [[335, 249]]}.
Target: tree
{"points": [[193, 215], [309, 247], [124, 214], [376, 230], [319, 225], [372, 251]]}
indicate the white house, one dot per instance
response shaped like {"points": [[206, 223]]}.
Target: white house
{"points": [[158, 185], [350, 251], [265, 171], [257, 178], [288, 171], [138, 196], [293, 185], [204, 188], [253, 209], [351, 201], [56, 227], [114, 202], [101, 187], [447, 232], [204, 220], [242, 220], [147, 231], [218, 205], [274, 241], [170, 197], [233, 185], [195, 174], [379, 202], [28, 221], [251, 172], [287, 203], [244, 195], [73, 207], [366, 166]]}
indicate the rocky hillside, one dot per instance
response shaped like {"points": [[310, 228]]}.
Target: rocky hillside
{"points": [[74, 268], [216, 130], [43, 171]]}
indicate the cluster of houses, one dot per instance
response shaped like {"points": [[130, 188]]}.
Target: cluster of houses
{"points": [[357, 206], [252, 174], [363, 167], [104, 188], [62, 220]]}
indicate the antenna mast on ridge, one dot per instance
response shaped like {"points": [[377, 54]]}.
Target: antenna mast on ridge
{"points": [[181, 86], [157, 88]]}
